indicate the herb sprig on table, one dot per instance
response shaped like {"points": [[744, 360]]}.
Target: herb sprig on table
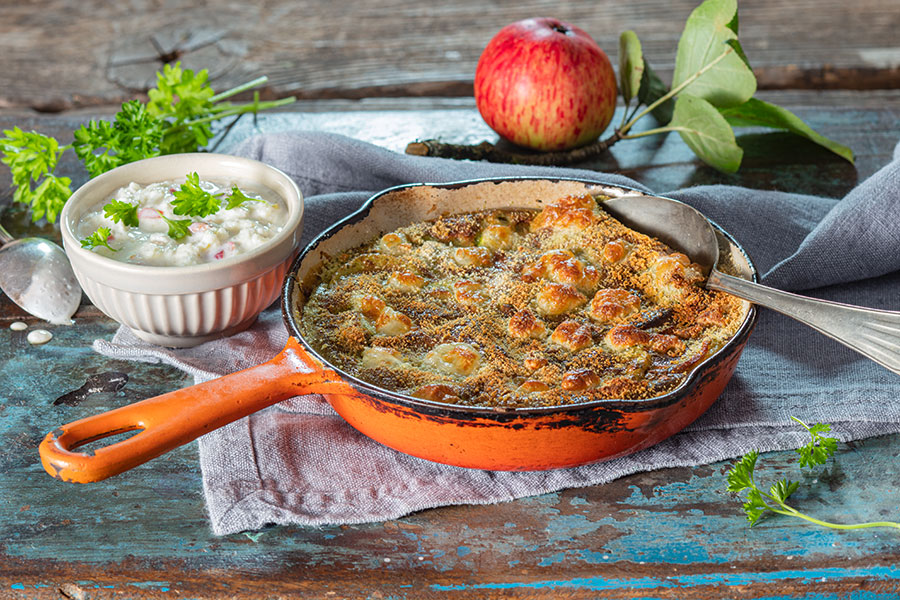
{"points": [[759, 503], [178, 117], [712, 91]]}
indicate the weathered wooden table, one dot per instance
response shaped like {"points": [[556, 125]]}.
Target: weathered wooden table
{"points": [[673, 533]]}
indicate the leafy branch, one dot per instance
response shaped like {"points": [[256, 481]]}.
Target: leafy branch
{"points": [[759, 503], [712, 92], [177, 117]]}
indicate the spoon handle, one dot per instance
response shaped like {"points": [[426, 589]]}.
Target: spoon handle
{"points": [[871, 332]]}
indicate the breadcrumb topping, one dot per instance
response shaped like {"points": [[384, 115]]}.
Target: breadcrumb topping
{"points": [[518, 308]]}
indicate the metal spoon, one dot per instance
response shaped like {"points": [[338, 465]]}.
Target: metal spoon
{"points": [[871, 332], [35, 273]]}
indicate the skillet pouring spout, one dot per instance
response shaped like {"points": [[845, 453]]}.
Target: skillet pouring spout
{"points": [[873, 333]]}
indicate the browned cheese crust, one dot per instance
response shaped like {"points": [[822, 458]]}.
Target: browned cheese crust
{"points": [[518, 308]]}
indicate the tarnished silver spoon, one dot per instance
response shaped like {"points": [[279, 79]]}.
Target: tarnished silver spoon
{"points": [[871, 332], [35, 273]]}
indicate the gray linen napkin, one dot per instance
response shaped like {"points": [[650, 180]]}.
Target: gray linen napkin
{"points": [[299, 463]]}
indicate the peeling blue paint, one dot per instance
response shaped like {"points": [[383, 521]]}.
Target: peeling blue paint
{"points": [[18, 586], [567, 527], [463, 551], [551, 560], [728, 579]]}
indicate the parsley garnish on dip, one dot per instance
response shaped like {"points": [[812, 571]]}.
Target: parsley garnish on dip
{"points": [[169, 224]]}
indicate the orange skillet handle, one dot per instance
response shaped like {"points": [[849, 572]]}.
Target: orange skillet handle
{"points": [[176, 418]]}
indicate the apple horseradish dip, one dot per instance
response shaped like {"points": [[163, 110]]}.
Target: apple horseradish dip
{"points": [[165, 239]]}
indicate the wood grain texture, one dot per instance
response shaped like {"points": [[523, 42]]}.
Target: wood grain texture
{"points": [[390, 72], [60, 54], [672, 533]]}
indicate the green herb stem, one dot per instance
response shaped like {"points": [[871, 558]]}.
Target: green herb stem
{"points": [[238, 89], [238, 110], [793, 512], [675, 91]]}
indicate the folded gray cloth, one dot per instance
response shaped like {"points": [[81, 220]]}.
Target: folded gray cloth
{"points": [[299, 463]]}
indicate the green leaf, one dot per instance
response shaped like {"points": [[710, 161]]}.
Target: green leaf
{"points": [[178, 228], [756, 113], [706, 132], [819, 448], [180, 97], [755, 506], [49, 197], [119, 211], [32, 157], [782, 489], [652, 89], [740, 477], [710, 36], [193, 200], [631, 65], [238, 197], [97, 239], [133, 135]]}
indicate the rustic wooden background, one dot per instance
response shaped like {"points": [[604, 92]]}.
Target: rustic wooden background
{"points": [[388, 72], [59, 54]]}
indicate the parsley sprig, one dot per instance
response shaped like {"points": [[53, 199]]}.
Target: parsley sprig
{"points": [[760, 503], [178, 117], [238, 198], [118, 211], [97, 239], [191, 199], [32, 158]]}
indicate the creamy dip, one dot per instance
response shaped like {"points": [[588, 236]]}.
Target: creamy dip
{"points": [[223, 234]]}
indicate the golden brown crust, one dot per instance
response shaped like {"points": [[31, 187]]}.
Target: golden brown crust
{"points": [[518, 308]]}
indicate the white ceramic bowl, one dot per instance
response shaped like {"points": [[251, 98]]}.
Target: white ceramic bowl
{"points": [[185, 306]]}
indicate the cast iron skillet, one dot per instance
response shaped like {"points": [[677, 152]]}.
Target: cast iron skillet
{"points": [[474, 437]]}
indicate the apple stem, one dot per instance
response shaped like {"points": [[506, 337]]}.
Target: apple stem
{"points": [[491, 153]]}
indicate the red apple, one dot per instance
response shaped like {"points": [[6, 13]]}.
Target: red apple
{"points": [[545, 84]]}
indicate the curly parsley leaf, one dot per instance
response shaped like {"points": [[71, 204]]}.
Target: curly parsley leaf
{"points": [[193, 200], [180, 97], [740, 477], [97, 239], [782, 489], [819, 448], [237, 198], [121, 212], [755, 506], [32, 157], [178, 228], [133, 135]]}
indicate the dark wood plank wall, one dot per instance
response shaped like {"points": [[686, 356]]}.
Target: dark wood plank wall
{"points": [[59, 54]]}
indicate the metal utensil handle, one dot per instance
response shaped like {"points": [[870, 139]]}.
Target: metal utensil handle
{"points": [[871, 332]]}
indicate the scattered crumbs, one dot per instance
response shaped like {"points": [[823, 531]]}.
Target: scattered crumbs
{"points": [[18, 326], [39, 336]]}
